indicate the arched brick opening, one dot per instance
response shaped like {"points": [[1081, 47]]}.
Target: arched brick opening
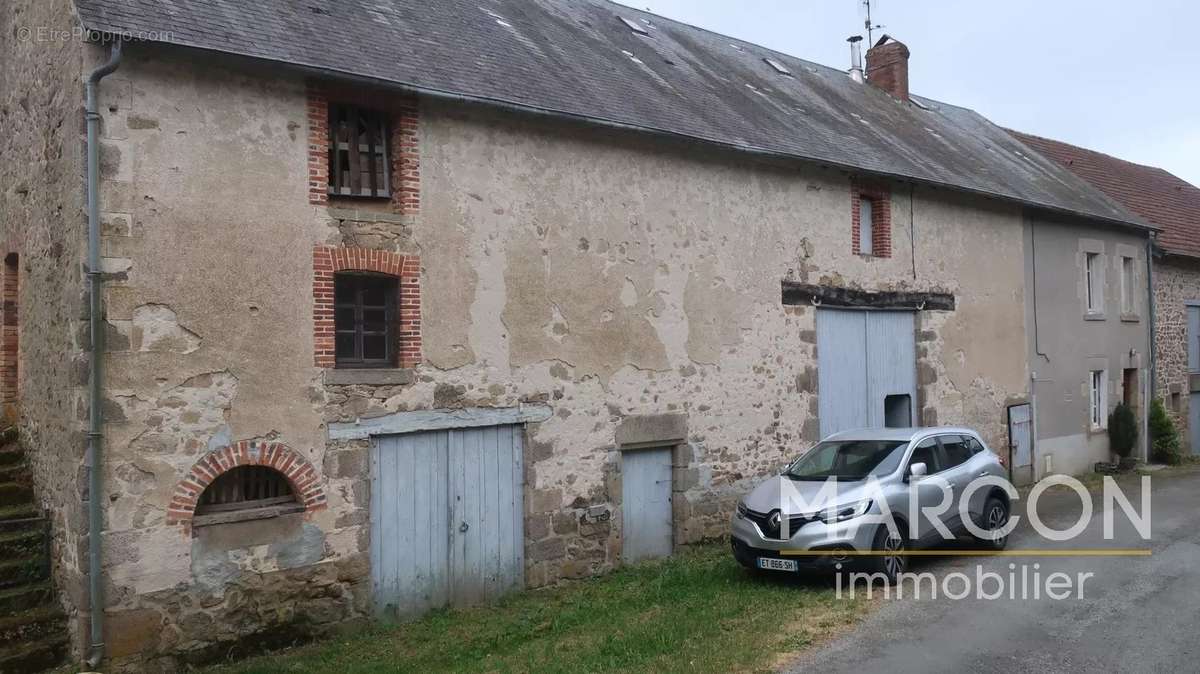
{"points": [[328, 261], [300, 474], [10, 352]]}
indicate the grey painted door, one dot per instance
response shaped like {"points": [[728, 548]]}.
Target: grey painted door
{"points": [[646, 503], [1020, 434], [866, 362], [446, 524], [1194, 367]]}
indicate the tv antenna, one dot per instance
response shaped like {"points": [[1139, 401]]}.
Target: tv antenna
{"points": [[870, 25]]}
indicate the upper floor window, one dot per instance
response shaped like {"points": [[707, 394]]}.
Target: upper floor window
{"points": [[1127, 287], [866, 233], [872, 221], [358, 152], [1095, 284], [364, 320]]}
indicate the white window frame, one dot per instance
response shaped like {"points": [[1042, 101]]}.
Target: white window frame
{"points": [[866, 226], [1094, 280], [1098, 399], [1127, 273]]}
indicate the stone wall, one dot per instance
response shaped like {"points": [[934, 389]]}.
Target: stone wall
{"points": [[1176, 280], [613, 277], [42, 221]]}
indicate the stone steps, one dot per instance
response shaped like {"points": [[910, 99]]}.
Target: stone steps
{"points": [[15, 493], [35, 656], [11, 454], [24, 597]]}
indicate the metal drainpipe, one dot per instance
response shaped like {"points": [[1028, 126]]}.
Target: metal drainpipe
{"points": [[1152, 385], [96, 318]]}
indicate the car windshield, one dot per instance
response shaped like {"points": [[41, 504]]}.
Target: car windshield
{"points": [[848, 460]]}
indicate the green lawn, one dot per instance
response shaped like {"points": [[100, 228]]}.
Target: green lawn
{"points": [[698, 612]]}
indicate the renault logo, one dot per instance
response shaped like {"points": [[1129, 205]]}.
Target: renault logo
{"points": [[773, 520]]}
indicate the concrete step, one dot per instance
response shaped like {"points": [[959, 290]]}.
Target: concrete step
{"points": [[15, 493], [16, 472], [25, 597], [32, 625], [23, 571], [36, 656], [11, 455], [22, 517], [22, 543]]}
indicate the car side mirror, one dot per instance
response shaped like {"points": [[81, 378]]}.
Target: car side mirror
{"points": [[917, 470]]}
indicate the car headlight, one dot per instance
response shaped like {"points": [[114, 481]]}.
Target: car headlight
{"points": [[844, 512]]}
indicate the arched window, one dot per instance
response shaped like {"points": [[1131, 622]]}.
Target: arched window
{"points": [[246, 492]]}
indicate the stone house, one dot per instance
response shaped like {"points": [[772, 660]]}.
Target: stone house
{"points": [[388, 324], [1173, 205]]}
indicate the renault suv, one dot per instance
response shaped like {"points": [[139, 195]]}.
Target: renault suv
{"points": [[862, 498]]}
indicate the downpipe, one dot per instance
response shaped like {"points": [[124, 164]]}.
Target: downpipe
{"points": [[95, 377]]}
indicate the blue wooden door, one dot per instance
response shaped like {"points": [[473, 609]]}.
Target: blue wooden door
{"points": [[446, 518], [866, 369], [646, 528]]}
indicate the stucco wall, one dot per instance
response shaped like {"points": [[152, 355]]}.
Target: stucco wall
{"points": [[42, 220], [1067, 345], [1176, 281], [607, 275]]}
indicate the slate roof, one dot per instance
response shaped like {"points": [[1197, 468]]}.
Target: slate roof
{"points": [[578, 59], [1161, 198]]}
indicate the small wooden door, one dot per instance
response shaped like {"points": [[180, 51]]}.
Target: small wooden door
{"points": [[647, 525]]}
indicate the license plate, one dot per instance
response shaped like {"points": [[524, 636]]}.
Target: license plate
{"points": [[773, 564]]}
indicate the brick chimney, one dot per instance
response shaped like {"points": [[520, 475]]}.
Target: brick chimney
{"points": [[887, 67]]}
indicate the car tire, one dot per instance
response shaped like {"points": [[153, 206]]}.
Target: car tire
{"points": [[995, 516], [889, 565]]}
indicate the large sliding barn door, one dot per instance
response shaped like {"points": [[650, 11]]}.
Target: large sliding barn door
{"points": [[866, 369], [446, 518]]}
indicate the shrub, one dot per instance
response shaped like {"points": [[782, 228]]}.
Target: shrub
{"points": [[1164, 436], [1122, 430]]}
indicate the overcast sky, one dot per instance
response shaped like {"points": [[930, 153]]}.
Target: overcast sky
{"points": [[1121, 77]]}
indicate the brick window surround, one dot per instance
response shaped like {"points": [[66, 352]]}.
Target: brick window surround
{"points": [[881, 218], [300, 474], [329, 260], [403, 148]]}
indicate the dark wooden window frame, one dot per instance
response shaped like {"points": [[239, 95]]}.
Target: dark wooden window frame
{"points": [[347, 181], [355, 328]]}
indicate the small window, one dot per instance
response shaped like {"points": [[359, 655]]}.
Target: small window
{"points": [[358, 157], [633, 25], [1095, 284], [1098, 399], [246, 488], [778, 67], [866, 228], [364, 320], [897, 411], [1127, 288], [957, 450]]}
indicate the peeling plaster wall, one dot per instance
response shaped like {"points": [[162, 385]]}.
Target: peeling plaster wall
{"points": [[605, 274], [1176, 280], [42, 220]]}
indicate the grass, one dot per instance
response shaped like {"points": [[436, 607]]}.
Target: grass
{"points": [[697, 612]]}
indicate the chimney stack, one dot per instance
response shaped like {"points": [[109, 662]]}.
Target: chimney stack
{"points": [[856, 71], [887, 67]]}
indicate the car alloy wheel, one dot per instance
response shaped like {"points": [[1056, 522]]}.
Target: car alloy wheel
{"points": [[997, 517], [893, 557]]}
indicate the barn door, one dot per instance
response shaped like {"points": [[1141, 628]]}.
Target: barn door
{"points": [[866, 369], [1020, 441], [446, 525], [646, 529]]}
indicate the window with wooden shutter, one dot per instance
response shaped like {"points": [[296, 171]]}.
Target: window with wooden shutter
{"points": [[358, 156], [248, 488]]}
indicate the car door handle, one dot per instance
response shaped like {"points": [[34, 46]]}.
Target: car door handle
{"points": [[984, 474]]}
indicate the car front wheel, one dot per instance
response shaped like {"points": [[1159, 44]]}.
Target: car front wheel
{"points": [[888, 554]]}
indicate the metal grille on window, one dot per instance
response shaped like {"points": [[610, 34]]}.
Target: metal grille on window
{"points": [[364, 320], [245, 488], [358, 163]]}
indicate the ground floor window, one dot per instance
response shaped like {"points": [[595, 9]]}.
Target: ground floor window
{"points": [[1099, 399]]}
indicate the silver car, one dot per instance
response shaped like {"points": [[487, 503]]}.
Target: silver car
{"points": [[867, 496]]}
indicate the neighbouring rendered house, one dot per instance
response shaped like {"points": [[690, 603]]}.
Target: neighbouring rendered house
{"points": [[1172, 204], [407, 304]]}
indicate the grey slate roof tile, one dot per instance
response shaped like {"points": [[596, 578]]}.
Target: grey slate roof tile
{"points": [[573, 57]]}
